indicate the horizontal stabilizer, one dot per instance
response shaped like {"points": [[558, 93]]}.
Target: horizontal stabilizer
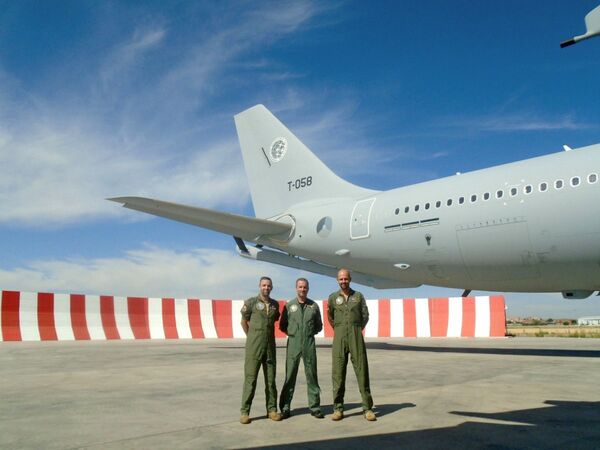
{"points": [[284, 259], [592, 28], [248, 228]]}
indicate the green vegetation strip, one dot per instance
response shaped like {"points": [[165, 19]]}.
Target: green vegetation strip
{"points": [[554, 331]]}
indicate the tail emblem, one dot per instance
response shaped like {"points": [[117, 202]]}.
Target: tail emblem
{"points": [[278, 149]]}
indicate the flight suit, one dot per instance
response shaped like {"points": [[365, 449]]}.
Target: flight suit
{"points": [[301, 323], [348, 317], [260, 350]]}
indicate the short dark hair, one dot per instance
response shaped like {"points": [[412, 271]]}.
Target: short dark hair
{"points": [[264, 278], [302, 279]]}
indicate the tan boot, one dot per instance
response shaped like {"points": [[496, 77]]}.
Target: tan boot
{"points": [[370, 415], [274, 415], [337, 415], [245, 419]]}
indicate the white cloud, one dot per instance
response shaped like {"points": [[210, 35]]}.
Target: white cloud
{"points": [[219, 274], [152, 272], [56, 174]]}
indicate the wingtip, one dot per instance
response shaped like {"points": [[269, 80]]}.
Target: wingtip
{"points": [[118, 199]]}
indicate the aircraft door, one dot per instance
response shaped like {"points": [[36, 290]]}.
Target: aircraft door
{"points": [[361, 216]]}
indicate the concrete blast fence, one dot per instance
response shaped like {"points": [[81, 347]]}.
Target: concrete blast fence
{"points": [[26, 316]]}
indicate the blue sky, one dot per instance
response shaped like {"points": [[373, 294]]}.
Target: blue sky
{"points": [[105, 99]]}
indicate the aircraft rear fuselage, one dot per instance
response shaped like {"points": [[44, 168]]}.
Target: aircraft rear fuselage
{"points": [[530, 226]]}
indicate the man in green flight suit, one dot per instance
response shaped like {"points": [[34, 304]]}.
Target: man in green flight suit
{"points": [[301, 320], [259, 315], [348, 315]]}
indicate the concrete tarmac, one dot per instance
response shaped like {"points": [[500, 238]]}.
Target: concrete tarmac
{"points": [[429, 394]]}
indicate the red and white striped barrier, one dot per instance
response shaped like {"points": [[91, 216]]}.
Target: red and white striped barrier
{"points": [[26, 316]]}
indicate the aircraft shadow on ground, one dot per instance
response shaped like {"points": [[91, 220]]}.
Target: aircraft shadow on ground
{"points": [[472, 350], [487, 351], [559, 425]]}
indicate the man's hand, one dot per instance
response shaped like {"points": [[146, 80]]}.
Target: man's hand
{"points": [[245, 325]]}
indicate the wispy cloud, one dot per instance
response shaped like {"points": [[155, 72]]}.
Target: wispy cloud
{"points": [[140, 122], [350, 144], [127, 54], [515, 122], [146, 119]]}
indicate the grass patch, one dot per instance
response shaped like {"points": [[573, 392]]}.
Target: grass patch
{"points": [[572, 331]]}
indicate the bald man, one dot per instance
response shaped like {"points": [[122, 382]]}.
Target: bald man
{"points": [[348, 315]]}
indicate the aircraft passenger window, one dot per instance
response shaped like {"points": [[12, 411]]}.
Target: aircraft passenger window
{"points": [[528, 189], [473, 198], [500, 193], [575, 181], [592, 178], [438, 204], [407, 209], [449, 202], [513, 192], [558, 184], [416, 207], [486, 196], [427, 205], [543, 187]]}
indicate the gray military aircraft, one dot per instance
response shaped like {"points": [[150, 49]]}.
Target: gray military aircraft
{"points": [[528, 226]]}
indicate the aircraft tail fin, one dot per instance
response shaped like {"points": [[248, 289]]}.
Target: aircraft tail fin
{"points": [[281, 170]]}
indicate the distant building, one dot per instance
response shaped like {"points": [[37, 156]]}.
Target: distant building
{"points": [[589, 320]]}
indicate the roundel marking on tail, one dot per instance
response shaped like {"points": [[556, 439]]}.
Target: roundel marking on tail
{"points": [[278, 149]]}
